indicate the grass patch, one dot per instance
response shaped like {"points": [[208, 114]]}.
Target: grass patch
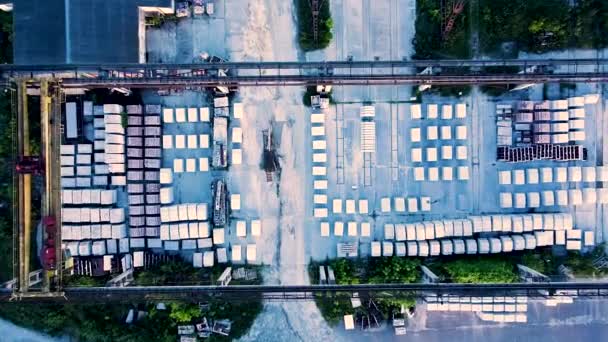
{"points": [[305, 27], [477, 270]]}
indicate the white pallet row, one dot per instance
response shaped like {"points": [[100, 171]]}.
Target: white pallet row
{"points": [[88, 196], [447, 111], [353, 229], [319, 168], [414, 204], [550, 198], [444, 173], [93, 231], [445, 247], [88, 215], [515, 223], [255, 228], [184, 212], [547, 175]]}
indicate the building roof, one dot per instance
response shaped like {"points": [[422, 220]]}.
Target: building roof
{"points": [[92, 31]]}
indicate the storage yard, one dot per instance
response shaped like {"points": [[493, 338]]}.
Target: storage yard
{"points": [[156, 184], [380, 181], [374, 174]]}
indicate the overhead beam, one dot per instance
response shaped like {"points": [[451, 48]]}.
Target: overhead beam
{"points": [[278, 292], [436, 72]]}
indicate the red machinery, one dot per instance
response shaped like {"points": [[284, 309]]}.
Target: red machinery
{"points": [[29, 165], [49, 259]]}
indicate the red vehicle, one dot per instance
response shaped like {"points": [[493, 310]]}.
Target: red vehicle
{"points": [[49, 259], [29, 165]]}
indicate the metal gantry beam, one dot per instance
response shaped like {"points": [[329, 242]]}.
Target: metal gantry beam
{"points": [[279, 292], [438, 72]]}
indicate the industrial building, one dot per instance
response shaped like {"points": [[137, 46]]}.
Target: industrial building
{"points": [[92, 31]]}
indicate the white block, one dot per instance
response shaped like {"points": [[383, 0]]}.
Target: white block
{"points": [[433, 174], [190, 165], [203, 164], [412, 205], [363, 207], [237, 156], [504, 177], [241, 228], [385, 205], [338, 228], [463, 173], [256, 228], [337, 206], [461, 152], [416, 155], [192, 115], [325, 229], [432, 133], [415, 135], [432, 111], [446, 112], [446, 133], [461, 132], [167, 141], [235, 201], [204, 114], [237, 135], [168, 115], [418, 174], [400, 204], [180, 141], [180, 114], [203, 140], [365, 229]]}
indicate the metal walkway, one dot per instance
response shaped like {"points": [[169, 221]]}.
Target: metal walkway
{"points": [[437, 72], [243, 292]]}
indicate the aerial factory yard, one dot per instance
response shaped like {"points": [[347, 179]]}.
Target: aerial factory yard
{"points": [[400, 170], [254, 176]]}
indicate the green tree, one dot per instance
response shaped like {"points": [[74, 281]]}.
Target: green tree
{"points": [[184, 313], [394, 270], [344, 271]]}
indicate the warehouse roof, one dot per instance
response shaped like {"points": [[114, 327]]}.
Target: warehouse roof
{"points": [[58, 31]]}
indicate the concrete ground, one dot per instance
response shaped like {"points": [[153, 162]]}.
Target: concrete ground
{"points": [[581, 320]]}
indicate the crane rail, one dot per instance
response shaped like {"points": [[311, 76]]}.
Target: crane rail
{"points": [[307, 292], [438, 72]]}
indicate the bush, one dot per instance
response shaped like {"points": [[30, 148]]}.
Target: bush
{"points": [[334, 307], [480, 270], [582, 264], [541, 261], [345, 271], [394, 270]]}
